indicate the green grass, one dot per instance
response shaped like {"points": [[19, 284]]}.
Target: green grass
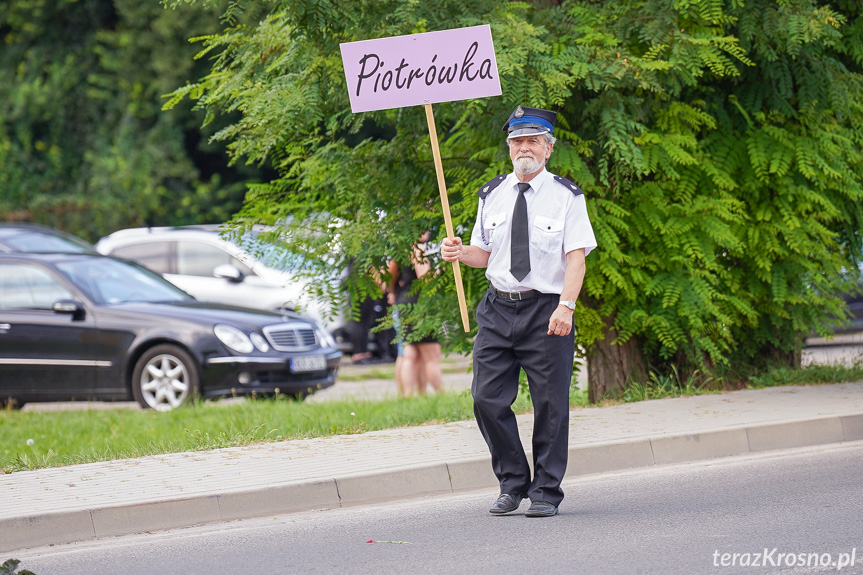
{"points": [[659, 386], [37, 439], [812, 374], [670, 385]]}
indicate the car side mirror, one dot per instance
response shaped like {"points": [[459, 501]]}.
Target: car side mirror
{"points": [[69, 307], [229, 272]]}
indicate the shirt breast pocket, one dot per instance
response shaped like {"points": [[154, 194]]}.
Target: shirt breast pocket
{"points": [[547, 234], [492, 223]]}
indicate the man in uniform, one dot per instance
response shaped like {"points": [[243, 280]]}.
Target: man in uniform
{"points": [[532, 234]]}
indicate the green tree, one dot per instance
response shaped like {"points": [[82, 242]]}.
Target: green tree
{"points": [[717, 141], [84, 145]]}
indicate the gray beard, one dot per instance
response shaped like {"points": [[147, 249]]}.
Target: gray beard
{"points": [[525, 166]]}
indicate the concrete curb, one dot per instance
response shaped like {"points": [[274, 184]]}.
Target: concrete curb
{"points": [[411, 481]]}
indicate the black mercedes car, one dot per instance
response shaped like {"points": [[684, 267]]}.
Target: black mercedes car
{"points": [[92, 327]]}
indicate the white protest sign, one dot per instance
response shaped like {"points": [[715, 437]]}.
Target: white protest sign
{"points": [[421, 69]]}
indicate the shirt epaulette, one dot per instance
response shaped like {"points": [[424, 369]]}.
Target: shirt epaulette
{"points": [[486, 189], [569, 185]]}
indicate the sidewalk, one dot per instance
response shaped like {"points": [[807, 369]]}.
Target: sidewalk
{"points": [[83, 502]]}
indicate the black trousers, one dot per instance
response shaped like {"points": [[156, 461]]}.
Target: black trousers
{"points": [[513, 335]]}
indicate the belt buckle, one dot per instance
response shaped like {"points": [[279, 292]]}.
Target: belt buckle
{"points": [[509, 295], [512, 295]]}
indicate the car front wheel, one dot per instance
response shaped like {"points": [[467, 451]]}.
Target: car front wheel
{"points": [[165, 378]]}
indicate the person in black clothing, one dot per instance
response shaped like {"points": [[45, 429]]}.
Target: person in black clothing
{"points": [[372, 310]]}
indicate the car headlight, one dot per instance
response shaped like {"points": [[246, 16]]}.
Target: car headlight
{"points": [[234, 338], [325, 337], [259, 341]]}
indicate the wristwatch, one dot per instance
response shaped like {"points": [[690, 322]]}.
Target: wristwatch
{"points": [[569, 304]]}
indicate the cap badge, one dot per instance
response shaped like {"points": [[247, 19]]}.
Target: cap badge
{"points": [[519, 112]]}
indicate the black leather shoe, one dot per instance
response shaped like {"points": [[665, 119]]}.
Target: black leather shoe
{"points": [[541, 509], [506, 503]]}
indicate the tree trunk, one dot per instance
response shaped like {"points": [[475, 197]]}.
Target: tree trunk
{"points": [[775, 355], [612, 366]]}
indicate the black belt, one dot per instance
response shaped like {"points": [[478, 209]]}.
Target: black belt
{"points": [[516, 295]]}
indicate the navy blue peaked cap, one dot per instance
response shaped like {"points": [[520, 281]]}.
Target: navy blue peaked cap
{"points": [[526, 121]]}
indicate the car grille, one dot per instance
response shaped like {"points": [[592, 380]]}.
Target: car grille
{"points": [[295, 336]]}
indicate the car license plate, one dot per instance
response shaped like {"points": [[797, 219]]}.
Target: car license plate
{"points": [[308, 363]]}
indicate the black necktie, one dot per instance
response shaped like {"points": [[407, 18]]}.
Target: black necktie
{"points": [[520, 246]]}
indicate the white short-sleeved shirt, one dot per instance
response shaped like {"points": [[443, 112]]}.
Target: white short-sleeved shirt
{"points": [[558, 224]]}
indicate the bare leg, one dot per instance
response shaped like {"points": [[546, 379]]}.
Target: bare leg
{"points": [[422, 385], [431, 355], [410, 363], [400, 383]]}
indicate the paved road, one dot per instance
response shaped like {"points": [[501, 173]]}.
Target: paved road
{"points": [[100, 500], [665, 520]]}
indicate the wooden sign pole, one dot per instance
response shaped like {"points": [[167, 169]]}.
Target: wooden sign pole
{"points": [[441, 182]]}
